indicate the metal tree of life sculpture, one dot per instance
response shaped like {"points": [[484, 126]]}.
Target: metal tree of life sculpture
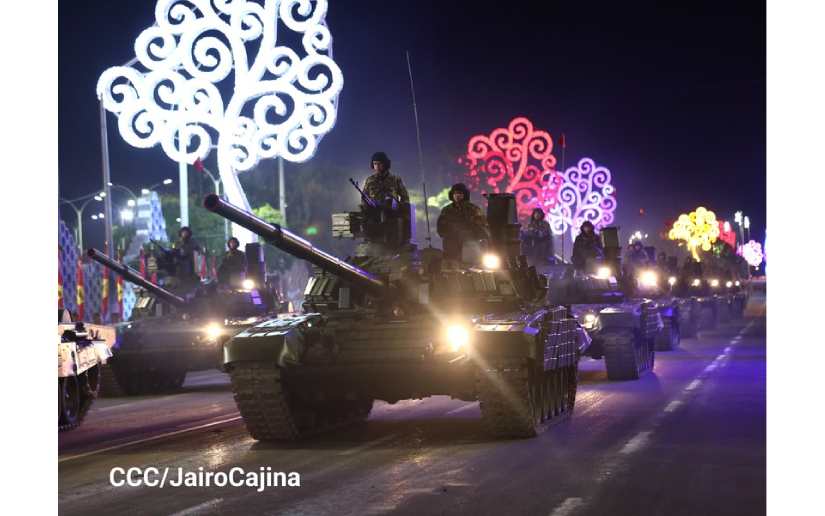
{"points": [[280, 103], [517, 159], [585, 193]]}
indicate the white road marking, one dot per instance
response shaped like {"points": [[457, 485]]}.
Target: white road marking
{"points": [[200, 508], [365, 446], [567, 507], [673, 405], [147, 439], [694, 384], [637, 443], [464, 407]]}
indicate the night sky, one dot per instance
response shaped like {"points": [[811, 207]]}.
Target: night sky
{"points": [[670, 98]]}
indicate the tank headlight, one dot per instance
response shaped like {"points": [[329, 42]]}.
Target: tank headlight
{"points": [[714, 283], [696, 282], [671, 280], [729, 284], [736, 283], [458, 337], [491, 261], [603, 272], [589, 321], [648, 279], [213, 331], [248, 284]]}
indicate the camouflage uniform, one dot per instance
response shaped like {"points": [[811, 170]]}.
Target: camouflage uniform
{"points": [[459, 222], [379, 186]]}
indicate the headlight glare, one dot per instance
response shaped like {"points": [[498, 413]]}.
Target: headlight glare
{"points": [[458, 337], [491, 261]]}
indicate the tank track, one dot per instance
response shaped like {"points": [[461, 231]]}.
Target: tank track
{"points": [[665, 339], [271, 414], [88, 391], [518, 401], [136, 382], [625, 360]]}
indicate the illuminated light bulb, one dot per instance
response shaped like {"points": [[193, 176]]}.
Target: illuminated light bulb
{"points": [[696, 282], [458, 336], [648, 279], [729, 284], [714, 283], [671, 280], [248, 284]]}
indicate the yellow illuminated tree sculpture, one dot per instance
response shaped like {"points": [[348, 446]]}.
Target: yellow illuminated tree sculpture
{"points": [[699, 230]]}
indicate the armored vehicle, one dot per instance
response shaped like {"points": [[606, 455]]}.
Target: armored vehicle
{"points": [[706, 291], [170, 334], [623, 328], [680, 316], [394, 323], [80, 356]]}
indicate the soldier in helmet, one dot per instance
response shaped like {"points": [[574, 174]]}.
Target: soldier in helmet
{"points": [[381, 184], [184, 252], [460, 221], [233, 266], [586, 247]]}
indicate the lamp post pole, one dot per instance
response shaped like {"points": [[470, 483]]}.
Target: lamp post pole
{"points": [[79, 214], [282, 193]]}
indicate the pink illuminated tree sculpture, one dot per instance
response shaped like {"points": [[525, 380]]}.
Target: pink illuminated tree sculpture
{"points": [[517, 159], [585, 193]]}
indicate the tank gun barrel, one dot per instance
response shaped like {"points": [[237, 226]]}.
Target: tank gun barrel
{"points": [[134, 276], [291, 243]]}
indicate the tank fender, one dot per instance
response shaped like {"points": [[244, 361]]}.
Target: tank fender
{"points": [[281, 340]]}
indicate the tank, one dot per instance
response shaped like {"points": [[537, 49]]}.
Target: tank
{"points": [[171, 334], [680, 315], [81, 354], [623, 328], [393, 323], [708, 290]]}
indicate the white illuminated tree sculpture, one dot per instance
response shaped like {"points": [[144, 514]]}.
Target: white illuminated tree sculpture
{"points": [[278, 103], [586, 194]]}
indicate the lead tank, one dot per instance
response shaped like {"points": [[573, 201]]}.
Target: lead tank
{"points": [[394, 323], [171, 334]]}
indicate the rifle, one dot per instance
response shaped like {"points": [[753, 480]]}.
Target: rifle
{"points": [[364, 197]]}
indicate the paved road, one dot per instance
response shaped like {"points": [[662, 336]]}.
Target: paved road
{"points": [[688, 439]]}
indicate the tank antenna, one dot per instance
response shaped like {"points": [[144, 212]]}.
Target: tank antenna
{"points": [[415, 115]]}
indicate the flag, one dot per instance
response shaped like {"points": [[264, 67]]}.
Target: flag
{"points": [[204, 270], [80, 293], [562, 142], [104, 294], [59, 281], [198, 164], [142, 259]]}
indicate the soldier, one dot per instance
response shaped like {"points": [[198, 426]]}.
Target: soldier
{"points": [[537, 240], [233, 267], [185, 249], [460, 221], [586, 247], [381, 184]]}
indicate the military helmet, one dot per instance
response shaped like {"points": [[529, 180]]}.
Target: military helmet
{"points": [[459, 187], [381, 157]]}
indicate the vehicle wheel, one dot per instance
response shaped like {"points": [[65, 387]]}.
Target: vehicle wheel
{"points": [[70, 402], [626, 355], [668, 339]]}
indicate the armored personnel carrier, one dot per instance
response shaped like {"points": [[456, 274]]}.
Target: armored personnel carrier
{"points": [[170, 334], [80, 356], [394, 323], [623, 328]]}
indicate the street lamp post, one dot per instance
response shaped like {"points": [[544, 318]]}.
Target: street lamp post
{"points": [[79, 213], [216, 181]]}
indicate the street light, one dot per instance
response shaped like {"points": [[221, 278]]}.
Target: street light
{"points": [[748, 226], [79, 213]]}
